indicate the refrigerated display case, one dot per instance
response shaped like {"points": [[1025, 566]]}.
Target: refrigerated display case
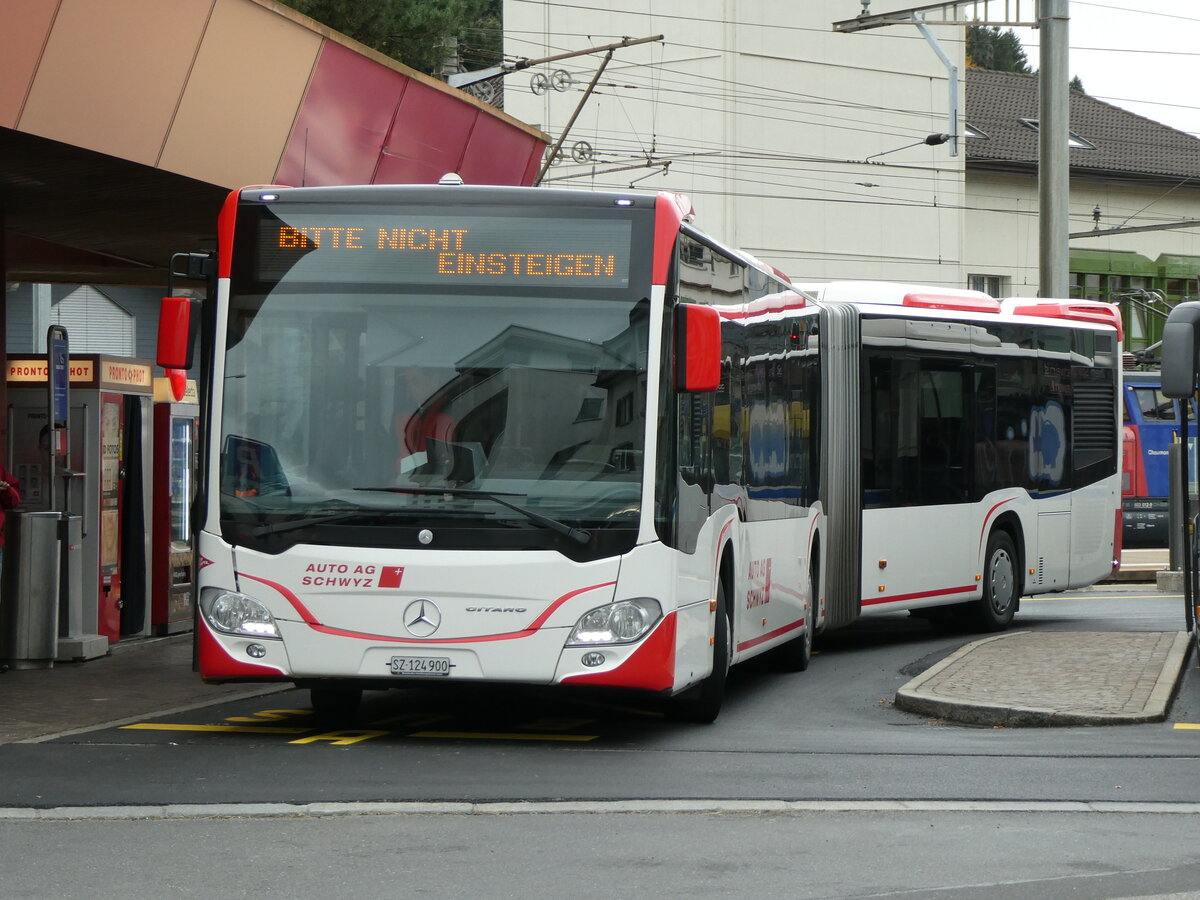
{"points": [[175, 458]]}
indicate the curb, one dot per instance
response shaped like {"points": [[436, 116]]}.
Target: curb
{"points": [[913, 697], [585, 807]]}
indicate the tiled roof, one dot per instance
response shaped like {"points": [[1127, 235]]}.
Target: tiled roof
{"points": [[1125, 142]]}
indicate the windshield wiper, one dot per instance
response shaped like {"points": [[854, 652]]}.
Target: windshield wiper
{"points": [[578, 535]]}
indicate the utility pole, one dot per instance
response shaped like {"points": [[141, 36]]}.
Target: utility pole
{"points": [[1054, 158]]}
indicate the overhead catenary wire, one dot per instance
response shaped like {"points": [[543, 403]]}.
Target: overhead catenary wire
{"points": [[647, 83]]}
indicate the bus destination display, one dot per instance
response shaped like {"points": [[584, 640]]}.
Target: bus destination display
{"points": [[465, 250]]}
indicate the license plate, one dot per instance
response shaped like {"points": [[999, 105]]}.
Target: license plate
{"points": [[420, 665]]}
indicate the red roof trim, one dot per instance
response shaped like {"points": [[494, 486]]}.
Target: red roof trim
{"points": [[952, 301], [1093, 311]]}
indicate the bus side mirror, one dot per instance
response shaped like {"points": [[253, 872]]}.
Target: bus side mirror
{"points": [[1179, 349], [697, 348], [178, 318]]}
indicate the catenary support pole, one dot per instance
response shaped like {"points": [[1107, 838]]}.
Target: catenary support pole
{"points": [[1054, 186]]}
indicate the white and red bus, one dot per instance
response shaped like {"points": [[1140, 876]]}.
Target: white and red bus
{"points": [[465, 433], [558, 437]]}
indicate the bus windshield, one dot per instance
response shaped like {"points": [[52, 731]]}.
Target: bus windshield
{"points": [[355, 399]]}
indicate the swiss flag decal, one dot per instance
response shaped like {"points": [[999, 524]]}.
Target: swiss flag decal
{"points": [[389, 576]]}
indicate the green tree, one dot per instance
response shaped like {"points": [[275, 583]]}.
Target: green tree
{"points": [[422, 34], [1001, 51], [991, 48]]}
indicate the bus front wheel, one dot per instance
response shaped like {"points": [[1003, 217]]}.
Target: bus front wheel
{"points": [[702, 703], [1001, 590]]}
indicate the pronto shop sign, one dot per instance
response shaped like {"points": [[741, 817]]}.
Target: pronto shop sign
{"points": [[111, 373]]}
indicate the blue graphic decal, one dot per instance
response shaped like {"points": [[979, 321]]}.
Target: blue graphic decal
{"points": [[1047, 442]]}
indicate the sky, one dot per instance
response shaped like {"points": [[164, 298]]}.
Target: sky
{"points": [[1140, 55]]}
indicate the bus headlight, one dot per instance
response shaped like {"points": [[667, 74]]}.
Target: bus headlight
{"points": [[234, 613], [616, 623]]}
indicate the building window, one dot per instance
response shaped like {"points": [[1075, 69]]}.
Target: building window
{"points": [[1074, 141], [95, 322], [624, 410], [992, 285]]}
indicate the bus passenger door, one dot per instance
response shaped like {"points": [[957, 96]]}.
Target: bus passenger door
{"points": [[1047, 467]]}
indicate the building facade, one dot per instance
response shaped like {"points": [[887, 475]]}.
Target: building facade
{"points": [[803, 146], [806, 147]]}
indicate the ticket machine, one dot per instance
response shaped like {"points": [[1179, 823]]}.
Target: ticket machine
{"points": [[109, 486]]}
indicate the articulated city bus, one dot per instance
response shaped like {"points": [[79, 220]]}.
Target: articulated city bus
{"points": [[564, 438]]}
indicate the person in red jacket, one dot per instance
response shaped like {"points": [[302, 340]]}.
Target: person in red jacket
{"points": [[10, 496]]}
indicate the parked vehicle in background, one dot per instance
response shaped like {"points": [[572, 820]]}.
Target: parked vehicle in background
{"points": [[1152, 423]]}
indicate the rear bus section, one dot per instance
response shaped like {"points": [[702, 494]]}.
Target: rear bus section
{"points": [[988, 443]]}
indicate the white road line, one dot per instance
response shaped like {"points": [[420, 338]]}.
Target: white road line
{"points": [[704, 807]]}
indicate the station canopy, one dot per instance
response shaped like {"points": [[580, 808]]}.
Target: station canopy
{"points": [[125, 124]]}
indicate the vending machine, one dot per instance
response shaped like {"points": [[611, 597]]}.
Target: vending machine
{"points": [[175, 460], [109, 485]]}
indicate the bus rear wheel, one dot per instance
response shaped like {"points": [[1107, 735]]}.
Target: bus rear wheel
{"points": [[1001, 589], [702, 703]]}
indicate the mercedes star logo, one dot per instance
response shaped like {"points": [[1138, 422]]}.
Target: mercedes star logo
{"points": [[422, 618]]}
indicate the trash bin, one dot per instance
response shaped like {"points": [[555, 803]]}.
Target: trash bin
{"points": [[29, 606], [70, 579]]}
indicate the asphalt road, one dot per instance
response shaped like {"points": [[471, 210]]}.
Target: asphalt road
{"points": [[808, 785], [830, 733], [934, 854]]}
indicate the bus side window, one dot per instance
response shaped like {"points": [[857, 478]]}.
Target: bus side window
{"points": [[945, 439], [986, 454]]}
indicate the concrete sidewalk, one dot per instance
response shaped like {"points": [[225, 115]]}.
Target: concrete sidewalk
{"points": [[138, 678]]}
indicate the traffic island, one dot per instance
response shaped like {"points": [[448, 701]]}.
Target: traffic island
{"points": [[1058, 678]]}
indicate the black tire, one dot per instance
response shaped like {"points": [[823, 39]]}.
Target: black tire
{"points": [[702, 703], [335, 704], [994, 611]]}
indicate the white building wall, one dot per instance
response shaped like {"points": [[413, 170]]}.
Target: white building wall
{"points": [[1002, 225], [1136, 205], [767, 117]]}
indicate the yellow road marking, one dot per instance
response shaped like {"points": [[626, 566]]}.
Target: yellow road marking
{"points": [[341, 738], [501, 736], [271, 715], [345, 738], [1186, 725], [239, 729]]}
